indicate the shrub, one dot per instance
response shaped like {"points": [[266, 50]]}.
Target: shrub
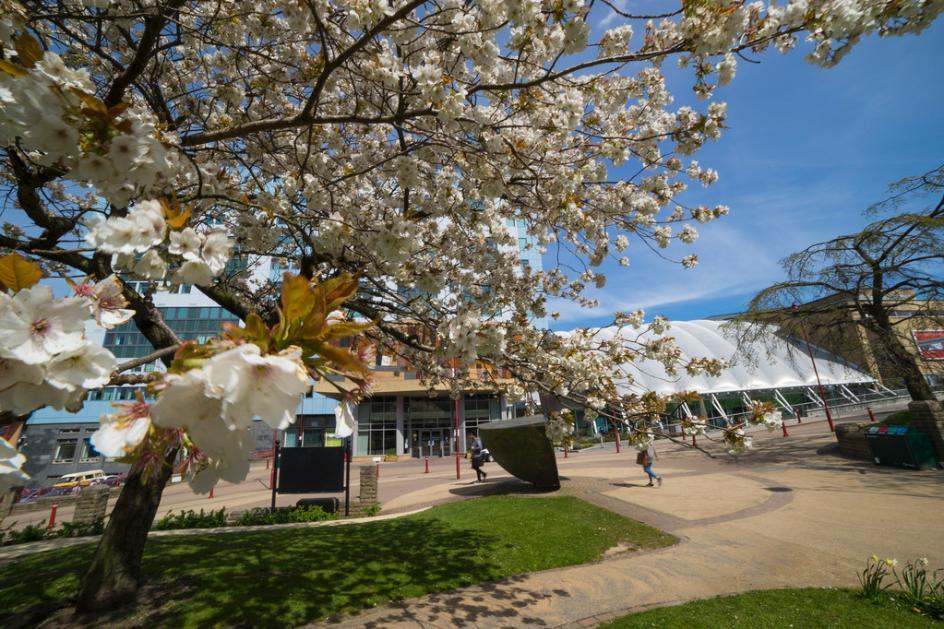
{"points": [[190, 519], [901, 418], [372, 510], [29, 533], [82, 529], [287, 515]]}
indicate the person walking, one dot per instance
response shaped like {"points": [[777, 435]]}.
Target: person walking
{"points": [[477, 459], [646, 459]]}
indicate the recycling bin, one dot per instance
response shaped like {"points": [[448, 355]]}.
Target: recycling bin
{"points": [[900, 446]]}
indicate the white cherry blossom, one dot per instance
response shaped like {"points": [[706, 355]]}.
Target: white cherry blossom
{"points": [[151, 266], [253, 385], [120, 433], [11, 464], [34, 326], [186, 243], [108, 303], [217, 250], [88, 367], [194, 272]]}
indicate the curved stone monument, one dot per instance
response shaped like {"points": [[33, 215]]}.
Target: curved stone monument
{"points": [[522, 448]]}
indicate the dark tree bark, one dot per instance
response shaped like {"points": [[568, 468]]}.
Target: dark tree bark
{"points": [[115, 573], [114, 576]]}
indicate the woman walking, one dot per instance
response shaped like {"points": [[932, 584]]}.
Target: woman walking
{"points": [[646, 459]]}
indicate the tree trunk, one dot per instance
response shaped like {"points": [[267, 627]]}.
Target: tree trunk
{"points": [[113, 578], [905, 364]]}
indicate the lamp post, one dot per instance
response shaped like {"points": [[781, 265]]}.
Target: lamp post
{"points": [[819, 383], [458, 474], [456, 444]]}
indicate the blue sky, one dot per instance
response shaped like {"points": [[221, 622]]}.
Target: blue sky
{"points": [[806, 151]]}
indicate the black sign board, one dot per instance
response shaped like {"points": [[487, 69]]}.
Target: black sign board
{"points": [[310, 470]]}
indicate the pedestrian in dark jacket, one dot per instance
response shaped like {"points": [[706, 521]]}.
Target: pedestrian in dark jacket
{"points": [[475, 445]]}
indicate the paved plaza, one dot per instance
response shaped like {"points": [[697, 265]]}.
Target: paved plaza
{"points": [[791, 513]]}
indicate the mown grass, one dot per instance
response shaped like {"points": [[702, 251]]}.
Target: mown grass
{"points": [[291, 576], [807, 607]]}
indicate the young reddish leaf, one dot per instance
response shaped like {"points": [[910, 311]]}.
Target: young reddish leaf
{"points": [[347, 328], [17, 273], [12, 69], [28, 50], [342, 360], [297, 298], [175, 217], [116, 110], [338, 290]]}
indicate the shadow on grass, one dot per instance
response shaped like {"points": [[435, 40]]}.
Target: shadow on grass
{"points": [[502, 487], [275, 578]]}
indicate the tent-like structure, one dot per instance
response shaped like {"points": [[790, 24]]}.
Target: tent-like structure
{"points": [[780, 372], [778, 365]]}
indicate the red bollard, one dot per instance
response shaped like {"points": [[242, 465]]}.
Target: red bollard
{"points": [[211, 491], [427, 465], [871, 414], [565, 450], [797, 412], [784, 426], [52, 515], [617, 442], [693, 439]]}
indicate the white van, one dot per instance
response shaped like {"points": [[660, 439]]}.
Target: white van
{"points": [[81, 478]]}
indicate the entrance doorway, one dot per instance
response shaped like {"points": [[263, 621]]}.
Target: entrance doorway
{"points": [[435, 442]]}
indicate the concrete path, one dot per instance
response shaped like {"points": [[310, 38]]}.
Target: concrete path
{"points": [[789, 514]]}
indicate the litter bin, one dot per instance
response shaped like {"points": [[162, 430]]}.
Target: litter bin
{"points": [[900, 446]]}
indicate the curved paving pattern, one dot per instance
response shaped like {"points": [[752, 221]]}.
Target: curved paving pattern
{"points": [[783, 518]]}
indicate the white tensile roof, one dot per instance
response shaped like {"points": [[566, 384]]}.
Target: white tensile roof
{"points": [[785, 363]]}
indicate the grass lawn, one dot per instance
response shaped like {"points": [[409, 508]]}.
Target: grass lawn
{"points": [[808, 607], [290, 576]]}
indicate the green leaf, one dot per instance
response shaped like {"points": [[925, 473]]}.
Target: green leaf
{"points": [[17, 273]]}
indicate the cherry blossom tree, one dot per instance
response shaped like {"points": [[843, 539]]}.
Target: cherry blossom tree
{"points": [[379, 146]]}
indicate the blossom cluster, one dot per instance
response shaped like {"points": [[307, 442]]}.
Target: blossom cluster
{"points": [[46, 359], [135, 237], [45, 356], [50, 110], [213, 406]]}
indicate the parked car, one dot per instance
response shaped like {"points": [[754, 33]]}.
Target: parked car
{"points": [[114, 480], [81, 479]]}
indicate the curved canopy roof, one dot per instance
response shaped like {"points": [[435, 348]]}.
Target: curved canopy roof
{"points": [[778, 365]]}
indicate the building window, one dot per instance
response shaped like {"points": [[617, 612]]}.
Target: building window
{"points": [[89, 453], [378, 434], [65, 450]]}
